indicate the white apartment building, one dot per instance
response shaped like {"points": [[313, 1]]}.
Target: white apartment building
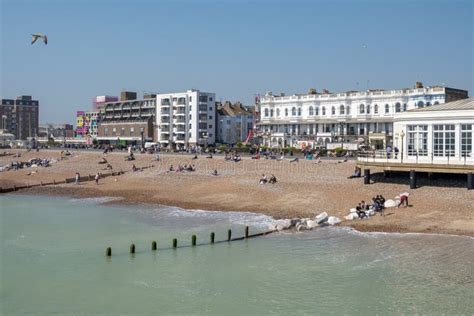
{"points": [[436, 135], [348, 117], [185, 119]]}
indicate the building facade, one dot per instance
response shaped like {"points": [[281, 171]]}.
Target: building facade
{"points": [[87, 124], [233, 122], [20, 117], [349, 117], [127, 122], [100, 100], [436, 135], [185, 119], [56, 131]]}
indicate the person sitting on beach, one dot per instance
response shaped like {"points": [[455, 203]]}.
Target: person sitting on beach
{"points": [[108, 167], [171, 168], [263, 179], [360, 212], [356, 173], [215, 173], [102, 161], [134, 168], [273, 179], [157, 158]]}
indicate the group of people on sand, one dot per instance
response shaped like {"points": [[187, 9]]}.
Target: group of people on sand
{"points": [[377, 206], [235, 158], [264, 179], [185, 168]]}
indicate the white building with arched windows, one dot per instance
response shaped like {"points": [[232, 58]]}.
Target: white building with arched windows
{"points": [[348, 117]]}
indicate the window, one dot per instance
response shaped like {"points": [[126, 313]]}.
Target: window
{"points": [[175, 99], [299, 111], [387, 108], [122, 131], [404, 107], [443, 140], [368, 109], [323, 111], [203, 98], [436, 103], [203, 107], [361, 109], [106, 131], [278, 112], [428, 104], [420, 104], [341, 109], [132, 130], [210, 117], [317, 111], [348, 110], [417, 140], [210, 126], [266, 112], [114, 131], [398, 107], [311, 111], [293, 111], [210, 99], [271, 112], [466, 140], [165, 101], [202, 125], [376, 109], [190, 99], [286, 111], [181, 101], [333, 110]]}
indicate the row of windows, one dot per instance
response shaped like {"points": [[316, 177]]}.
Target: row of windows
{"points": [[444, 138], [123, 132]]}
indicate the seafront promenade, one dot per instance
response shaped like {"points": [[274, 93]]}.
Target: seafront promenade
{"points": [[304, 188]]}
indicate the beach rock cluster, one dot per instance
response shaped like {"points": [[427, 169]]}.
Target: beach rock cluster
{"points": [[301, 224]]}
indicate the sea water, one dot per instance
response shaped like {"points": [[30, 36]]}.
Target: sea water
{"points": [[53, 262]]}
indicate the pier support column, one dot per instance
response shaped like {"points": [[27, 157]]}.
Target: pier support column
{"points": [[366, 176], [386, 174], [412, 179], [470, 181]]}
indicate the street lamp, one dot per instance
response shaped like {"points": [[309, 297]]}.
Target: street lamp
{"points": [[402, 135]]}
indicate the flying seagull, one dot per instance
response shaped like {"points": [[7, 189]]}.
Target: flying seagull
{"points": [[34, 38]]}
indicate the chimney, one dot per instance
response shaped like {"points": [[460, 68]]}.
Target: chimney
{"points": [[418, 85], [312, 91]]}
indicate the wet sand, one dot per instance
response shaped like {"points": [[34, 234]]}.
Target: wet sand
{"points": [[304, 189]]}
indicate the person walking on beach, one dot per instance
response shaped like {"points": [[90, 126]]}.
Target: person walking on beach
{"points": [[78, 177], [97, 176], [403, 200]]}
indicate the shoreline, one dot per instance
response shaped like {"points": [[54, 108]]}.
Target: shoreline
{"points": [[304, 189], [123, 201]]}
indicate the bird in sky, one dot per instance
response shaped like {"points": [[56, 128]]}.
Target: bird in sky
{"points": [[364, 46], [34, 38]]}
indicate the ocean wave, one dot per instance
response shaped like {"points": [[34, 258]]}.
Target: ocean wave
{"points": [[96, 200]]}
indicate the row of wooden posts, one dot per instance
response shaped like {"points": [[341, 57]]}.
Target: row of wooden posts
{"points": [[212, 237]]}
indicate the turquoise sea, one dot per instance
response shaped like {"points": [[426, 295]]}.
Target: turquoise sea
{"points": [[52, 261]]}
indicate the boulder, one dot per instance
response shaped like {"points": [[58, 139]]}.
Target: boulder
{"points": [[300, 227], [351, 217], [390, 203], [294, 222], [285, 223], [321, 218], [333, 220], [353, 210], [311, 224]]}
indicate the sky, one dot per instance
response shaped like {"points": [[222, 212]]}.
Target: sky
{"points": [[236, 49]]}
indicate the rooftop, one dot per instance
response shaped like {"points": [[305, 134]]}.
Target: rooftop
{"points": [[464, 104]]}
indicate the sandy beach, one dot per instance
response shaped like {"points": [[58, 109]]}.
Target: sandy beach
{"points": [[304, 189]]}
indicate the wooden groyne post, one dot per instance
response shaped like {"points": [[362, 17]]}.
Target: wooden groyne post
{"points": [[229, 235], [108, 252], [175, 243], [246, 232], [132, 248], [213, 236], [193, 240], [153, 245]]}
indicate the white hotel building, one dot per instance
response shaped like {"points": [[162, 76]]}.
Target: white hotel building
{"points": [[185, 119], [322, 118]]}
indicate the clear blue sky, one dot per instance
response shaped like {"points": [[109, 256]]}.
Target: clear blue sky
{"points": [[233, 48]]}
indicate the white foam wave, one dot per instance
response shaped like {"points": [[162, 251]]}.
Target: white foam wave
{"points": [[96, 200]]}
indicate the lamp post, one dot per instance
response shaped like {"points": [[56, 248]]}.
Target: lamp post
{"points": [[402, 135]]}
